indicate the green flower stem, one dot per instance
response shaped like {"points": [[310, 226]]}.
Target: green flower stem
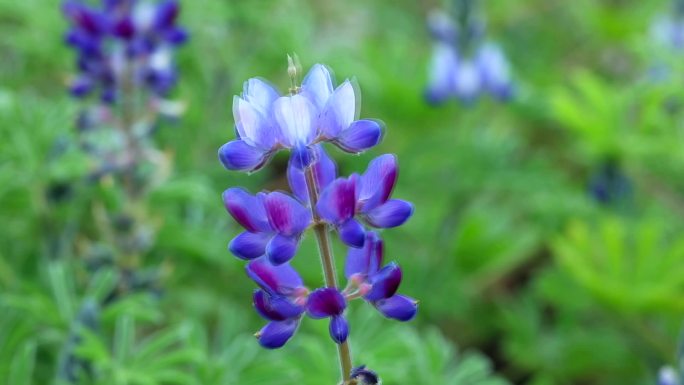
{"points": [[328, 263]]}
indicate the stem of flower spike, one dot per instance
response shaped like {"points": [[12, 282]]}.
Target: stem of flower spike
{"points": [[328, 262]]}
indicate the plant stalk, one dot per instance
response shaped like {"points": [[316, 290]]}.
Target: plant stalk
{"points": [[328, 264]]}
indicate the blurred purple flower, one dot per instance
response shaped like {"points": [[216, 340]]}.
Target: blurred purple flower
{"points": [[313, 113], [273, 222], [120, 40], [462, 66], [281, 300], [668, 376], [378, 285], [367, 197]]}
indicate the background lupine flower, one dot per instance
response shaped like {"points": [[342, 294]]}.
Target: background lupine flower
{"points": [[668, 376], [366, 197], [281, 300], [609, 184], [463, 65], [122, 38], [310, 114], [274, 223], [378, 285], [330, 303]]}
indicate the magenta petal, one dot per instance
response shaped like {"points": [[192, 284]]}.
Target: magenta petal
{"points": [[339, 329], [281, 249], [276, 333], [275, 308], [281, 279], [249, 245], [237, 155], [285, 214], [385, 282], [326, 302], [324, 169], [398, 307], [352, 233], [360, 136], [378, 181], [337, 203], [366, 260], [392, 213], [248, 210]]}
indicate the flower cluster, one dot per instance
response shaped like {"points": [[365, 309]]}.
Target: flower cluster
{"points": [[123, 41], [463, 65], [274, 222], [668, 30]]}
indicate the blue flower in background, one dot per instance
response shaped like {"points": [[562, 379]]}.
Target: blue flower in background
{"points": [[668, 376], [609, 185], [312, 113], [121, 44], [378, 284], [463, 65]]}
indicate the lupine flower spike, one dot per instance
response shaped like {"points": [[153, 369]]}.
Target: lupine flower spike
{"points": [[464, 65], [301, 121]]}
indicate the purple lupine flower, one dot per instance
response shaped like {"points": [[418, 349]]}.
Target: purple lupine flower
{"points": [[123, 41], [364, 376], [330, 303], [462, 66], [273, 222], [313, 113], [367, 197], [668, 376], [378, 285], [280, 300]]}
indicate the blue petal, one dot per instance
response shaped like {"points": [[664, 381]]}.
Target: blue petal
{"points": [[337, 203], [392, 213], [282, 279], [378, 181], [275, 308], [360, 136], [317, 85], [286, 215], [366, 260], [260, 94], [281, 249], [275, 334], [249, 245], [296, 117], [247, 209], [467, 81], [384, 283], [301, 156], [324, 169], [239, 156], [326, 302], [339, 329], [442, 70], [253, 125], [352, 233], [340, 110], [398, 307]]}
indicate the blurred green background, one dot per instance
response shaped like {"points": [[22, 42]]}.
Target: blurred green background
{"points": [[522, 276]]}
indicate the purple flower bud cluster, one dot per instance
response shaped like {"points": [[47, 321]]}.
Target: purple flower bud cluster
{"points": [[668, 376], [275, 222], [463, 65], [122, 41]]}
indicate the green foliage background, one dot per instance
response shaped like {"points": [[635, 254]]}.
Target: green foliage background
{"points": [[511, 259]]}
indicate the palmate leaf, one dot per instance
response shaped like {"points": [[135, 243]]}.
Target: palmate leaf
{"points": [[629, 267]]}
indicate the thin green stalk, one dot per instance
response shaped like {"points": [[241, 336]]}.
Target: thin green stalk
{"points": [[328, 263]]}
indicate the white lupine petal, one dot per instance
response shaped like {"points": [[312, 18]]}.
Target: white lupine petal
{"points": [[295, 116]]}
